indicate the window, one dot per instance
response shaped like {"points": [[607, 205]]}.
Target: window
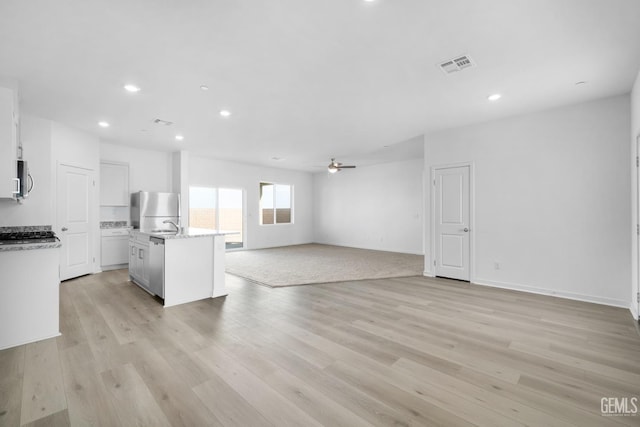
{"points": [[218, 209], [276, 205]]}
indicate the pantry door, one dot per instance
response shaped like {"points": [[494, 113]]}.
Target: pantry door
{"points": [[452, 222], [75, 192]]}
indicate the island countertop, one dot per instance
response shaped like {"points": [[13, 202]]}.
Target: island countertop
{"points": [[185, 233]]}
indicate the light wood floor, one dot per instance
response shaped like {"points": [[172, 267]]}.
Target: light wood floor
{"points": [[396, 352]]}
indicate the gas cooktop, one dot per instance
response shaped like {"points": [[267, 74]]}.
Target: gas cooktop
{"points": [[22, 237]]}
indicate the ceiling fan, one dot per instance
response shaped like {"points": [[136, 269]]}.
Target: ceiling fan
{"points": [[336, 167]]}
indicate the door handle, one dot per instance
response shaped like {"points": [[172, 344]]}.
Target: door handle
{"points": [[466, 230], [64, 228]]}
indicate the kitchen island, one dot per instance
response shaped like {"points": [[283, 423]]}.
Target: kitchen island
{"points": [[178, 267]]}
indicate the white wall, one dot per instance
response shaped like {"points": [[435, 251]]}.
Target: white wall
{"points": [[635, 133], [74, 148], [180, 183], [204, 172], [38, 208], [148, 170], [374, 207], [552, 199]]}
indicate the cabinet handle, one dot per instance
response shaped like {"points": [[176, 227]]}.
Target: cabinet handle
{"points": [[141, 253], [133, 251]]}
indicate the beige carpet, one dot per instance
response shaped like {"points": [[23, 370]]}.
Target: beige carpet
{"points": [[314, 263]]}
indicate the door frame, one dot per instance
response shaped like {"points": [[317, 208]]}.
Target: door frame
{"points": [[637, 230], [472, 217], [94, 230]]}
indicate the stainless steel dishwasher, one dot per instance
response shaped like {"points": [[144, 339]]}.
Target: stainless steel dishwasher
{"points": [[156, 266]]}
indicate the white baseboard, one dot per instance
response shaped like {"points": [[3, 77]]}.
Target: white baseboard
{"points": [[428, 274], [31, 341], [633, 308], [554, 293], [113, 267]]}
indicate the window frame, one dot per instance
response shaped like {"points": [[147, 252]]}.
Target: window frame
{"points": [[291, 203]]}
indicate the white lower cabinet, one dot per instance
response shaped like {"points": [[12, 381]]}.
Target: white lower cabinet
{"points": [[115, 249], [139, 261], [29, 296]]}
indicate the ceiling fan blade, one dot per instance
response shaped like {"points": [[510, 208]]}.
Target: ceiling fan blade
{"points": [[347, 167]]}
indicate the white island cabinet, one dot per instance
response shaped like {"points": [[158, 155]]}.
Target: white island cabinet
{"points": [[183, 267], [139, 258]]}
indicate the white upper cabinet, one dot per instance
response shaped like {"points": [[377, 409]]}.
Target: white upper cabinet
{"points": [[114, 184], [8, 143]]}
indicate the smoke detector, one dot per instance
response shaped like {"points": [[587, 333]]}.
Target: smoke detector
{"points": [[458, 63], [162, 122]]}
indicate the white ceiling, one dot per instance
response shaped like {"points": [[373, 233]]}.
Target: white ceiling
{"points": [[307, 80]]}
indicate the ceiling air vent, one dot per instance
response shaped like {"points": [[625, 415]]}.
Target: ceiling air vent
{"points": [[456, 64], [162, 122]]}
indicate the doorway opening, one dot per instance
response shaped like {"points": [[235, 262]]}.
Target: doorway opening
{"points": [[220, 209]]}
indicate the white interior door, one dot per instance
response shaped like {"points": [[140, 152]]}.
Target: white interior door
{"points": [[452, 223], [74, 194]]}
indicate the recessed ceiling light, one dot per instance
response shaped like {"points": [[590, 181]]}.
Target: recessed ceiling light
{"points": [[494, 97], [131, 88], [277, 159], [179, 137], [580, 83], [103, 124], [225, 113], [204, 87]]}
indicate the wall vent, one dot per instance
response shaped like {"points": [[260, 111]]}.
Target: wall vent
{"points": [[162, 122], [456, 64]]}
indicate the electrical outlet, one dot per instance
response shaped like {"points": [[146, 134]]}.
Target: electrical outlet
{"points": [[496, 265]]}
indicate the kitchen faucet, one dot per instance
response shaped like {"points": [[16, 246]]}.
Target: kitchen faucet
{"points": [[168, 221]]}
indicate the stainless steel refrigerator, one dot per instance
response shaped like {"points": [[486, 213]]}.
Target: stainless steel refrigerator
{"points": [[150, 210]]}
